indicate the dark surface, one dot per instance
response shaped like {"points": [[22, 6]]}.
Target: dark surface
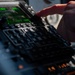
{"points": [[33, 48]]}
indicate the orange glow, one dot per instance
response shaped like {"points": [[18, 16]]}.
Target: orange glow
{"points": [[59, 66], [49, 69], [63, 65], [20, 66], [53, 68]]}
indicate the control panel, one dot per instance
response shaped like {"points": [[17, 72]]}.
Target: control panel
{"points": [[30, 47]]}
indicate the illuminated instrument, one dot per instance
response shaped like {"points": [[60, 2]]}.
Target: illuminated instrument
{"points": [[30, 47]]}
